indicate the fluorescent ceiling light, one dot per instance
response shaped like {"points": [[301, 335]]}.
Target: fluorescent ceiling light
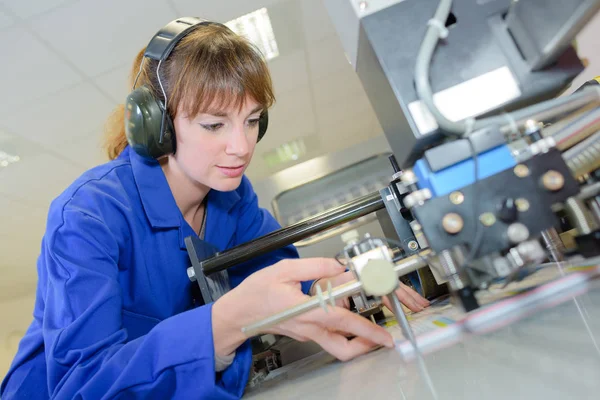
{"points": [[6, 159], [287, 152], [256, 26]]}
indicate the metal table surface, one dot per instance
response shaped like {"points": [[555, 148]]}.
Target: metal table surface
{"points": [[553, 354]]}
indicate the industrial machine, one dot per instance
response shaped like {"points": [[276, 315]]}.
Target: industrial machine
{"points": [[493, 170]]}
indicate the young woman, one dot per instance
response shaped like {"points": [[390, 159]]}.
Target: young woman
{"points": [[114, 317]]}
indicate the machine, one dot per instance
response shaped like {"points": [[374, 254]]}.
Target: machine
{"points": [[493, 170]]}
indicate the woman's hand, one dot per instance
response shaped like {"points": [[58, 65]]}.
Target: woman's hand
{"points": [[276, 288], [411, 299]]}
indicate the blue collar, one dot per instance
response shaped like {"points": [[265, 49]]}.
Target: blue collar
{"points": [[157, 199]]}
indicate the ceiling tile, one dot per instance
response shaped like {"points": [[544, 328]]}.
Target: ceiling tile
{"points": [[221, 11], [120, 31], [116, 83], [38, 179], [337, 87], [62, 117], [289, 72], [30, 8], [5, 20], [316, 21], [327, 57], [34, 70], [291, 117], [349, 108]]}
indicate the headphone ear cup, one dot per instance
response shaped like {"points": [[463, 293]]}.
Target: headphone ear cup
{"points": [[143, 118], [263, 123]]}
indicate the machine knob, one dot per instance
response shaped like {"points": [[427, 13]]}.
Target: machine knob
{"points": [[507, 211]]}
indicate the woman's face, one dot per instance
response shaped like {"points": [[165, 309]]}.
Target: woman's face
{"points": [[215, 148]]}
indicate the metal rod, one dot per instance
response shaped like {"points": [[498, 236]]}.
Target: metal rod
{"points": [[343, 291], [402, 320], [588, 191], [550, 109], [291, 234], [404, 267], [554, 245]]}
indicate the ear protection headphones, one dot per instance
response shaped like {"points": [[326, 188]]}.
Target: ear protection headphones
{"points": [[148, 125]]}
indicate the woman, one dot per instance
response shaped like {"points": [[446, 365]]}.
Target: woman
{"points": [[113, 316]]}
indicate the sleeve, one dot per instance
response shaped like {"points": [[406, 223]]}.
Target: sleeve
{"points": [[88, 354], [254, 222]]}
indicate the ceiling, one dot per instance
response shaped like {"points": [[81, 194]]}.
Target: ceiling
{"points": [[65, 66]]}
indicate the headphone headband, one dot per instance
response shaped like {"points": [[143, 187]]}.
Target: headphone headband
{"points": [[147, 123], [164, 41]]}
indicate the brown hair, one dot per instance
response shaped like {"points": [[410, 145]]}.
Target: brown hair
{"points": [[210, 68]]}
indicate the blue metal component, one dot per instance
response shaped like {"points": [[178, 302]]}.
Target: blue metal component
{"points": [[462, 174]]}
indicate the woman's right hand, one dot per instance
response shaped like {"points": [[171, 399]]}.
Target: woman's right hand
{"points": [[276, 288]]}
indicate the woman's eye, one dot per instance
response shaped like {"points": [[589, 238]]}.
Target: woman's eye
{"points": [[253, 122], [212, 127]]}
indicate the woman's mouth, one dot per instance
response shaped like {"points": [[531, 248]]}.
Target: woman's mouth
{"points": [[232, 172]]}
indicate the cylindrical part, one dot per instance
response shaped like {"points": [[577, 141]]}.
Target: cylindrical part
{"points": [[402, 320], [551, 109], [291, 234], [589, 191], [394, 163], [451, 270], [578, 130], [403, 267], [595, 208], [343, 291], [584, 157], [580, 216], [554, 244]]}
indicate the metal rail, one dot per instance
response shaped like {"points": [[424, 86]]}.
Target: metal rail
{"points": [[291, 234]]}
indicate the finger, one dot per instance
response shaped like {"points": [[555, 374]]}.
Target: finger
{"points": [[406, 299], [339, 346], [308, 269], [415, 295], [340, 319]]}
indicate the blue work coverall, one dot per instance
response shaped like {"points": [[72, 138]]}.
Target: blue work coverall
{"points": [[113, 316]]}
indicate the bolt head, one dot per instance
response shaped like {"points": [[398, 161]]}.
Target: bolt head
{"points": [[487, 219], [553, 181], [521, 170], [517, 232], [412, 245], [453, 223], [457, 197], [522, 204]]}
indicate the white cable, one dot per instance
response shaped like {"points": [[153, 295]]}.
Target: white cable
{"points": [[321, 299], [514, 128], [160, 84], [330, 293], [139, 72], [441, 27]]}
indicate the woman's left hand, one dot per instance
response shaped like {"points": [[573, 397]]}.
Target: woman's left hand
{"points": [[407, 296]]}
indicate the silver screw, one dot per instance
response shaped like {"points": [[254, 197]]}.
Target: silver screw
{"points": [[453, 223], [517, 232], [553, 180], [521, 170], [522, 204], [487, 219], [457, 197], [412, 245]]}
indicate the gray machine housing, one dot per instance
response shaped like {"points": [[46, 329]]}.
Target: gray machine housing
{"points": [[479, 43]]}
